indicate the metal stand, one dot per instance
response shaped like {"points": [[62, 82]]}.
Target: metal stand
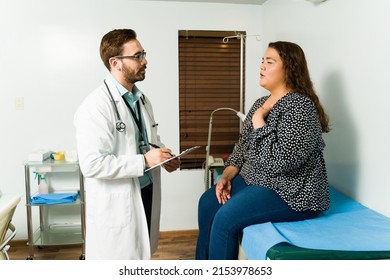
{"points": [[45, 234]]}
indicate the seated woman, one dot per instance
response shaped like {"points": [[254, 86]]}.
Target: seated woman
{"points": [[277, 172]]}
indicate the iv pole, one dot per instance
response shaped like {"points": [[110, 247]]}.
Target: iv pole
{"points": [[241, 37], [240, 114], [226, 40]]}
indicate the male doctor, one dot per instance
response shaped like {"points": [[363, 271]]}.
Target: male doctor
{"points": [[117, 141]]}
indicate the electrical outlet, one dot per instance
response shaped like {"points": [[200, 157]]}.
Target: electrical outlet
{"points": [[19, 103]]}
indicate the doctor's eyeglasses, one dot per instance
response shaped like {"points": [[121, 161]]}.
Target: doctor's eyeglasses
{"points": [[139, 56]]}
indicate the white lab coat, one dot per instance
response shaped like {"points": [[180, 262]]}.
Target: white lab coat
{"points": [[116, 226]]}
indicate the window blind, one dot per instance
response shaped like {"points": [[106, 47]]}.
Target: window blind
{"points": [[209, 78]]}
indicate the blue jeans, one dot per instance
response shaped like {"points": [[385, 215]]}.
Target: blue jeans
{"points": [[220, 226]]}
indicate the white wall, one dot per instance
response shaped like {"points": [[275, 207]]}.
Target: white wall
{"points": [[49, 58], [347, 45]]}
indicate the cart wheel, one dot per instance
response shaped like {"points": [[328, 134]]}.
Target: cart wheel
{"points": [[82, 257], [29, 258]]}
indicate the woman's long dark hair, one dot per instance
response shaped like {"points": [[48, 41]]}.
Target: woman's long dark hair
{"points": [[298, 76]]}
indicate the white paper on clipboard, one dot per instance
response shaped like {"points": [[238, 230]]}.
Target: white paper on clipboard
{"points": [[189, 150]]}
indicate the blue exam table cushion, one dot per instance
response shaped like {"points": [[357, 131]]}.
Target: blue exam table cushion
{"points": [[345, 226]]}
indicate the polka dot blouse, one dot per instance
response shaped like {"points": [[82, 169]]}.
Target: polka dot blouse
{"points": [[286, 154]]}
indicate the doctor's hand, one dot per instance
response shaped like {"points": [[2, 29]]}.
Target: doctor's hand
{"points": [[155, 156], [172, 165]]}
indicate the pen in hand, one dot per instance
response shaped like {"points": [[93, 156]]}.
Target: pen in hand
{"points": [[169, 165], [157, 147], [154, 146]]}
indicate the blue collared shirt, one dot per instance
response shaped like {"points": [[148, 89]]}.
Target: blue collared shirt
{"points": [[133, 98]]}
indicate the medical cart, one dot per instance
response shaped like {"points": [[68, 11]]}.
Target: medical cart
{"points": [[48, 233]]}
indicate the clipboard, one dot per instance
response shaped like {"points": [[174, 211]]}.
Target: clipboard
{"points": [[183, 153]]}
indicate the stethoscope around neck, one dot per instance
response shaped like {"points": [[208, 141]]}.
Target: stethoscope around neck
{"points": [[119, 124]]}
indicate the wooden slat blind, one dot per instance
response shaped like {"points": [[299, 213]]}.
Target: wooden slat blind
{"points": [[209, 78]]}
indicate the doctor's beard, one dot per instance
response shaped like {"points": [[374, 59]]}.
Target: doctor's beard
{"points": [[131, 76]]}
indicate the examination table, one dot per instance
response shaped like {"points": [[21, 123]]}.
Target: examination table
{"points": [[347, 230]]}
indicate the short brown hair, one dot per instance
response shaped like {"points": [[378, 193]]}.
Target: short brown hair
{"points": [[112, 43]]}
